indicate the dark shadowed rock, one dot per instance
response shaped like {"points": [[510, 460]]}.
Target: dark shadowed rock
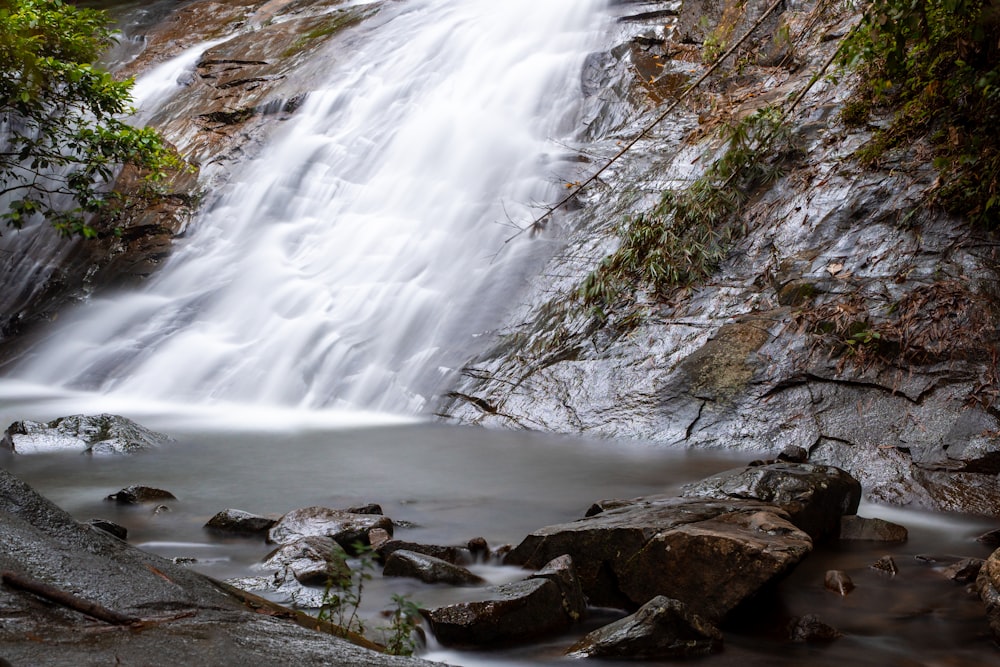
{"points": [[431, 570], [345, 528], [137, 494], [453, 555], [240, 523], [964, 571], [109, 527], [661, 629], [708, 554], [370, 508], [508, 613], [990, 539], [97, 434], [479, 548], [793, 454], [886, 565], [838, 581], [988, 585], [811, 630], [312, 560], [859, 528], [815, 496], [561, 572]]}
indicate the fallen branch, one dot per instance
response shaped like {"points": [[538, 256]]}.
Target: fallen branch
{"points": [[68, 600]]}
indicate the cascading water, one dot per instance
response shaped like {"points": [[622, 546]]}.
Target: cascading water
{"points": [[350, 263]]}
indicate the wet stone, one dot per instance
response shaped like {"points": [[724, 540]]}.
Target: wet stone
{"points": [[990, 539], [109, 527], [453, 555], [100, 435], [312, 561], [370, 508], [479, 548], [964, 571], [240, 522], [428, 569], [811, 630], [137, 494], [838, 581], [873, 530], [561, 572], [793, 454], [886, 564], [662, 629], [346, 528]]}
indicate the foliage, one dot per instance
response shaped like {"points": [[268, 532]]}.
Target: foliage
{"points": [[343, 592], [937, 63], [403, 622], [686, 235], [60, 136]]}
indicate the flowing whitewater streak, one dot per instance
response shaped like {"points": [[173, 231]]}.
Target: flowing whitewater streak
{"points": [[350, 263]]}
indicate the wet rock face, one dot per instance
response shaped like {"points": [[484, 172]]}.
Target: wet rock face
{"points": [[777, 348], [312, 561], [858, 528], [661, 629], [97, 434], [626, 556], [138, 494], [239, 522]]}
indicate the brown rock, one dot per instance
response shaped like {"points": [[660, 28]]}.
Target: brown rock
{"points": [[136, 494], [886, 564], [874, 530], [561, 572], [838, 582], [988, 586], [964, 571], [811, 630]]}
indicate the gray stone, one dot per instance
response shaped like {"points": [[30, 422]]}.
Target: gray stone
{"points": [[345, 528], [708, 554], [453, 555], [240, 522], [661, 629], [430, 570], [815, 496], [313, 561], [508, 613], [98, 434], [138, 494], [856, 528]]}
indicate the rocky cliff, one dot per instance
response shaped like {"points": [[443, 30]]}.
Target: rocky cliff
{"points": [[840, 314]]}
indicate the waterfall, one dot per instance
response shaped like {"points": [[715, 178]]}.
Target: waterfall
{"points": [[352, 263]]}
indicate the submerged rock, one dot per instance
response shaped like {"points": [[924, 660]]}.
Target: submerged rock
{"points": [[661, 629], [313, 561], [838, 581], [138, 494], [964, 571], [856, 528], [91, 434], [240, 523], [708, 554], [811, 630], [428, 569], [887, 565]]}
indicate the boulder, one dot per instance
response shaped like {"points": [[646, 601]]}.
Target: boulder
{"points": [[661, 629], [313, 561], [98, 434], [346, 528], [240, 523], [988, 585], [509, 613], [430, 570], [138, 494], [815, 496], [561, 572], [859, 528], [453, 555], [711, 555]]}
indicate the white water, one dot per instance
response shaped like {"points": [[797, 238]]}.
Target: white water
{"points": [[350, 264]]}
